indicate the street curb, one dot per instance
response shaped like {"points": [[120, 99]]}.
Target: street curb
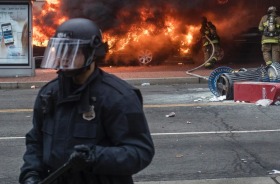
{"points": [[251, 180], [139, 81], [169, 80], [21, 85]]}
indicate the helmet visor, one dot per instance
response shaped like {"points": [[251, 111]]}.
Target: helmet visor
{"points": [[64, 53]]}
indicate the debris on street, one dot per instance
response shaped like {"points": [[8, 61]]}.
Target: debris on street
{"points": [[277, 103], [264, 102], [145, 84], [198, 100], [179, 155], [217, 99], [274, 172], [172, 114]]}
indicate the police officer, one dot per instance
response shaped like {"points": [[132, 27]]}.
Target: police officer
{"points": [[209, 35], [270, 28], [85, 117]]}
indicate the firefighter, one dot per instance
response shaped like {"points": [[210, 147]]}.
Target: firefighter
{"points": [[269, 26], [209, 35], [85, 117]]}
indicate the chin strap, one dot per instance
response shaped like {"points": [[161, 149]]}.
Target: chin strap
{"points": [[90, 59]]}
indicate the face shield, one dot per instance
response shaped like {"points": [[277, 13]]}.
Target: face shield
{"points": [[64, 54]]}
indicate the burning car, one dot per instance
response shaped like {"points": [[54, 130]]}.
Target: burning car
{"points": [[149, 51], [149, 45], [141, 47], [135, 54]]}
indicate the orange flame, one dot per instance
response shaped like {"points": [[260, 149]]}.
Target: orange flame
{"points": [[41, 31], [144, 35]]}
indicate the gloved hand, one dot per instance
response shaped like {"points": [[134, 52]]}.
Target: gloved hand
{"points": [[82, 156], [32, 180]]}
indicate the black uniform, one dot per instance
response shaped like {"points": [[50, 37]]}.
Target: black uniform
{"points": [[105, 112]]}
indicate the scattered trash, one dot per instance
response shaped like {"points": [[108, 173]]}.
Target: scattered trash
{"points": [[277, 103], [217, 99], [172, 114], [264, 102], [33, 87], [145, 84], [28, 116], [197, 100], [274, 172], [198, 107], [244, 160], [188, 122], [179, 155]]}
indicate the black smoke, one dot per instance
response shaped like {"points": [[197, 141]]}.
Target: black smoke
{"points": [[116, 17], [119, 15]]}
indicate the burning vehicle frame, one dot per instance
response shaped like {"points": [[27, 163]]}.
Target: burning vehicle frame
{"points": [[148, 50]]}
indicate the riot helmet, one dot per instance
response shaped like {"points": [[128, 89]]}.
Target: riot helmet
{"points": [[77, 43], [272, 9]]}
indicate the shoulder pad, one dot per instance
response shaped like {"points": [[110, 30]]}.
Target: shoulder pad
{"points": [[50, 85], [118, 84]]}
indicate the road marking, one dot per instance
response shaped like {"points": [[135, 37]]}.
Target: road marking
{"points": [[9, 138], [185, 133], [192, 105], [15, 110], [145, 106], [216, 132]]}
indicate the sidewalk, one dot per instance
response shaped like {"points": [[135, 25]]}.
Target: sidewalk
{"points": [[135, 75]]}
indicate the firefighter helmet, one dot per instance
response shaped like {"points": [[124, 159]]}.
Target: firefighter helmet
{"points": [[271, 9], [203, 20], [76, 44]]}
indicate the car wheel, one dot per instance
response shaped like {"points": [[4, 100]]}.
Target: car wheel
{"points": [[145, 56]]}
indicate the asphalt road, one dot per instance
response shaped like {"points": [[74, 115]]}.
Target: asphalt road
{"points": [[204, 140]]}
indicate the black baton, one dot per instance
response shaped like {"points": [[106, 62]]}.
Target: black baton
{"points": [[53, 176]]}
